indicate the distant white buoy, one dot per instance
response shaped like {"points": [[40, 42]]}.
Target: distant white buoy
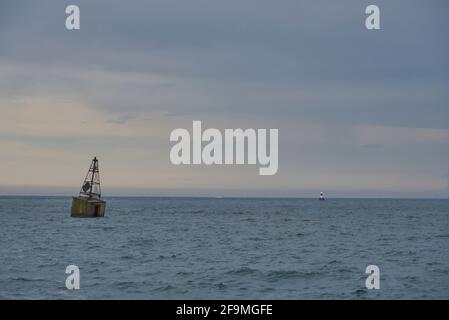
{"points": [[321, 196]]}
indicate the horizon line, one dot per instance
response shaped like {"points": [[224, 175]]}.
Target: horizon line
{"points": [[231, 197]]}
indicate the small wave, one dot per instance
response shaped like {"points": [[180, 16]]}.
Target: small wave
{"points": [[290, 274], [23, 279], [127, 257], [197, 211], [125, 285], [142, 242], [162, 257], [360, 292], [243, 271], [221, 285], [256, 239], [164, 288]]}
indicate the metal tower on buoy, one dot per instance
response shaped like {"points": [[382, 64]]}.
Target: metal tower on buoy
{"points": [[88, 203], [91, 186]]}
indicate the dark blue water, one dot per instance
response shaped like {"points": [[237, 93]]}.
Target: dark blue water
{"points": [[167, 248]]}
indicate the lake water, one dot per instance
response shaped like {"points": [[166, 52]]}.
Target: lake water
{"points": [[192, 248]]}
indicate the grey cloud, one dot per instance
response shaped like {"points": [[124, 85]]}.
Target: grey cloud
{"points": [[316, 47]]}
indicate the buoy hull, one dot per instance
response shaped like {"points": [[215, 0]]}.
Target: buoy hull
{"points": [[83, 207]]}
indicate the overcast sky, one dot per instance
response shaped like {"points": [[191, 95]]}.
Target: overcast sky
{"points": [[359, 113]]}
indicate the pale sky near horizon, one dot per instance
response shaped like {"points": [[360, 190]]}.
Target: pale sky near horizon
{"points": [[359, 113]]}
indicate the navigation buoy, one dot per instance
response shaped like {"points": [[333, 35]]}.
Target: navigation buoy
{"points": [[88, 204]]}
